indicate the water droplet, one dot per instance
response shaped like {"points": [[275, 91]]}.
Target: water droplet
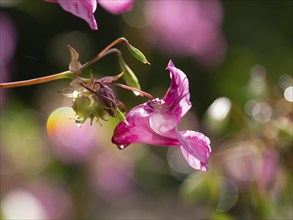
{"points": [[75, 94], [121, 146], [78, 121]]}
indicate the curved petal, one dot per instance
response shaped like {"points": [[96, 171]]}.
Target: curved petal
{"points": [[116, 6], [195, 149], [83, 9], [177, 96], [137, 129]]}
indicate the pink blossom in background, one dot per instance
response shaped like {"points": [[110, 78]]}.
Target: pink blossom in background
{"points": [[116, 6], [85, 8], [112, 176], [187, 28], [155, 122], [268, 169]]}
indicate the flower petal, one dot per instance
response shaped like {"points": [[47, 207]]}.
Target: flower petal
{"points": [[83, 9], [116, 6], [163, 124], [137, 129], [195, 148], [178, 95]]}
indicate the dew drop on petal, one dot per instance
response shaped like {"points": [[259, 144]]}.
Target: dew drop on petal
{"points": [[121, 146]]}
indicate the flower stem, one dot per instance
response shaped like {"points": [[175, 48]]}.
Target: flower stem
{"points": [[133, 89], [62, 75], [103, 52]]}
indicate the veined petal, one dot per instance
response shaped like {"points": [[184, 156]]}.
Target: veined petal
{"points": [[177, 96], [137, 129], [83, 9], [195, 148], [116, 6]]}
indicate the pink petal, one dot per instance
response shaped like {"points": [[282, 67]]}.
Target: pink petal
{"points": [[83, 9], [138, 130], [195, 149], [177, 96], [116, 6], [163, 124]]}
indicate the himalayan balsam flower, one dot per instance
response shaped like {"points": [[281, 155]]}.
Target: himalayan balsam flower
{"points": [[155, 122], [86, 8]]}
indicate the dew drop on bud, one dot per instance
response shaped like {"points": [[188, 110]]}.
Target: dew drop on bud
{"points": [[78, 121], [137, 93]]}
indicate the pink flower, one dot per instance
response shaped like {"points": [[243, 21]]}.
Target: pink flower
{"points": [[155, 122], [86, 8], [193, 28]]}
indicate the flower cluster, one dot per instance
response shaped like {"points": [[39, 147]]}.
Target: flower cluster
{"points": [[95, 99]]}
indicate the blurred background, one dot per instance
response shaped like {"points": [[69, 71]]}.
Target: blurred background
{"points": [[238, 58]]}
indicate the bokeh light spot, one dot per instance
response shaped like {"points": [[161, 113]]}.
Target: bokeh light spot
{"points": [[288, 94], [20, 204], [220, 108], [72, 141]]}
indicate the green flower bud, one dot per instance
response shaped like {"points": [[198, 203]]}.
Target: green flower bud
{"points": [[137, 54]]}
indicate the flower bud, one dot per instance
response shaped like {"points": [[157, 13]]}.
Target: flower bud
{"points": [[137, 54], [106, 97], [85, 107]]}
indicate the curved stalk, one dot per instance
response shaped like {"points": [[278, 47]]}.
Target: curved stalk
{"points": [[134, 89], [103, 52]]}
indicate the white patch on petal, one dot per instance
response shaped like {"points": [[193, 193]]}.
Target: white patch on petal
{"points": [[162, 125]]}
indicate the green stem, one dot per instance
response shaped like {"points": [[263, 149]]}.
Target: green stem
{"points": [[103, 52], [44, 79]]}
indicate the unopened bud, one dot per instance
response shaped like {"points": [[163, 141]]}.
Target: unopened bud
{"points": [[137, 54], [106, 97]]}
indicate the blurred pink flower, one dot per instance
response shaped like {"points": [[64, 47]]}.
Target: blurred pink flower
{"points": [[112, 176], [116, 6], [155, 122], [86, 8], [268, 169], [187, 28]]}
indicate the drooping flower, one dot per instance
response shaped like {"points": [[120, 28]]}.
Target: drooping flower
{"points": [[86, 8], [155, 122]]}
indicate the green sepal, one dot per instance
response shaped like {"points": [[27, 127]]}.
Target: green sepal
{"points": [[120, 115], [129, 76], [74, 65]]}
